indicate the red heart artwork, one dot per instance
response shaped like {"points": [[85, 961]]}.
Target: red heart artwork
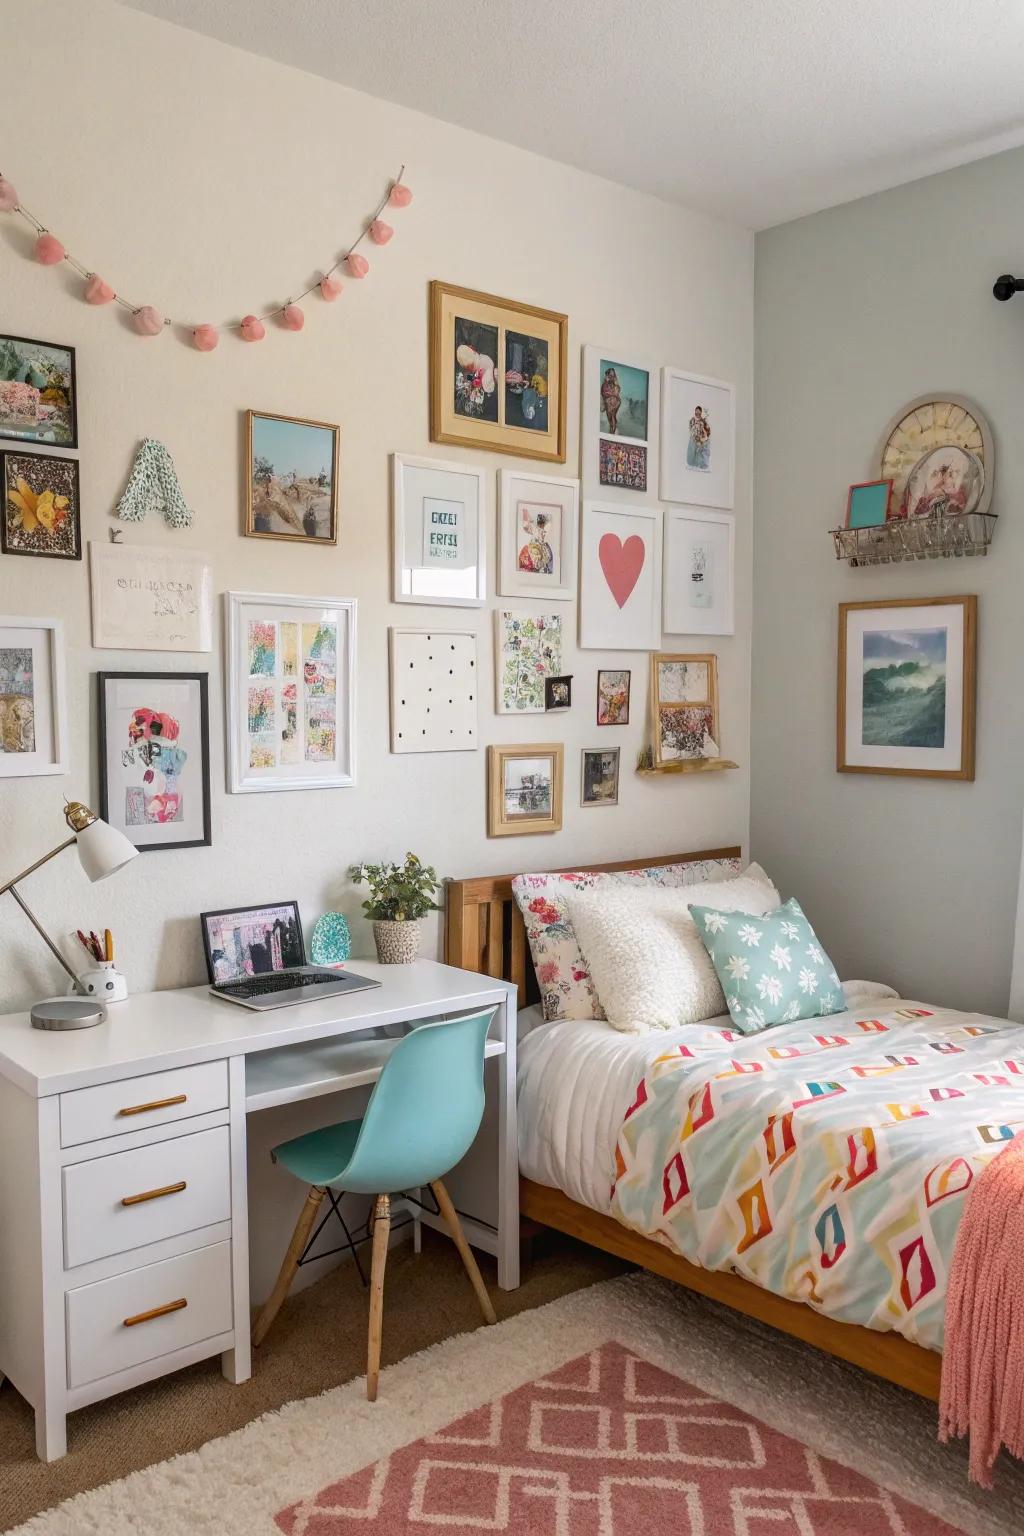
{"points": [[621, 563]]}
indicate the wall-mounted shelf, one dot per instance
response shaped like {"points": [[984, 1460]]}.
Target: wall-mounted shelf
{"points": [[941, 535], [689, 765]]}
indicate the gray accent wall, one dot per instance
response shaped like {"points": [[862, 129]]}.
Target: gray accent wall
{"points": [[858, 310]]}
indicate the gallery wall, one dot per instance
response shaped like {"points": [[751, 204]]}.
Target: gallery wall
{"points": [[206, 181], [859, 310]]}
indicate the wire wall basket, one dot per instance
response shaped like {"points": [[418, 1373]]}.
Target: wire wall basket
{"points": [[940, 535]]}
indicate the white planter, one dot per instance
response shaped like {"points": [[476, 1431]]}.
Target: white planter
{"points": [[397, 943]]}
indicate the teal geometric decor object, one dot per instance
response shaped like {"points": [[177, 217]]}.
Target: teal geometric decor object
{"points": [[153, 487], [331, 943]]}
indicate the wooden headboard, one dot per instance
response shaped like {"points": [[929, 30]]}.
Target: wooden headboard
{"points": [[484, 929]]}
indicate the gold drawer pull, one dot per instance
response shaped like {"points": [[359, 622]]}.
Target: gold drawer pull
{"points": [[147, 1317], [154, 1194], [144, 1109]]}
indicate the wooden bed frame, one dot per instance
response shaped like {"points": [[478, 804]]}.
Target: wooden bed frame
{"points": [[484, 932]]}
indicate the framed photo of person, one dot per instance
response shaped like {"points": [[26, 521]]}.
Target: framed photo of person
{"points": [[524, 789], [538, 529], [154, 733], [620, 425], [440, 553], [906, 687], [290, 692], [497, 374], [33, 708], [698, 439], [699, 557], [38, 393], [291, 478]]}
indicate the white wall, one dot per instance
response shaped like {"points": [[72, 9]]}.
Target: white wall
{"points": [[860, 309], [209, 183]]}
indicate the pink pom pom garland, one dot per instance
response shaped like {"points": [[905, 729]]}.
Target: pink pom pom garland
{"points": [[146, 320]]}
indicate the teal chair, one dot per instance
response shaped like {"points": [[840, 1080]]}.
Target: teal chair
{"points": [[422, 1117]]}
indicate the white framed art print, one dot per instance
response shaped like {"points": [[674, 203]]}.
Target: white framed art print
{"points": [[619, 425], [145, 598], [620, 577], [33, 710], [698, 439], [434, 690], [437, 517], [698, 572], [538, 517], [290, 692]]}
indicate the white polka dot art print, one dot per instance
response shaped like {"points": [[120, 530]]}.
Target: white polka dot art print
{"points": [[434, 690]]}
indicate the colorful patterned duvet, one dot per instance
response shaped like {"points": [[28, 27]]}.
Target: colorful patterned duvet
{"points": [[826, 1160]]}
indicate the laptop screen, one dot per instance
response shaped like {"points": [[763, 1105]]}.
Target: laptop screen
{"points": [[252, 941]]}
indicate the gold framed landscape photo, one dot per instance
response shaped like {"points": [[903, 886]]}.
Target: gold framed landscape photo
{"points": [[497, 374], [291, 478], [906, 687], [524, 789]]}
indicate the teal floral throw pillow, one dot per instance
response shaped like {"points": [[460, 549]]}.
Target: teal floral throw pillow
{"points": [[772, 969]]}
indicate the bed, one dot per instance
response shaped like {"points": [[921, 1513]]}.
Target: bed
{"points": [[569, 1168]]}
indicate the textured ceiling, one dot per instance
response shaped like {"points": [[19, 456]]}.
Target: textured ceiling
{"points": [[757, 111]]}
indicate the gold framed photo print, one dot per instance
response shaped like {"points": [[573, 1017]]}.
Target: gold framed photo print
{"points": [[524, 789], [291, 478]]}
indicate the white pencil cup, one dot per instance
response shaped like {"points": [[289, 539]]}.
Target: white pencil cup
{"points": [[103, 982]]}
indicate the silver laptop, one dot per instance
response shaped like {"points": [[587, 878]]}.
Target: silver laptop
{"points": [[255, 956]]}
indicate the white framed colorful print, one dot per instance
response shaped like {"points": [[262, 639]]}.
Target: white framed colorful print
{"points": [[697, 582], [538, 530], [154, 734], [620, 577], [147, 598], [619, 426], [437, 520], [906, 688], [698, 439], [527, 653], [33, 708], [290, 692], [434, 690]]}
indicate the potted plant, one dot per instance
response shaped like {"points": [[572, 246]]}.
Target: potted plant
{"points": [[400, 895]]}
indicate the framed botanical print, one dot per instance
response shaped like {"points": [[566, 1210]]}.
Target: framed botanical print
{"points": [[147, 598], [291, 478], [38, 392], [524, 789], [698, 562], [41, 512], [538, 528], [527, 655], [620, 577], [599, 776], [906, 688], [154, 730], [290, 692], [33, 710], [613, 696], [497, 374], [684, 708], [437, 520], [698, 439], [620, 425]]}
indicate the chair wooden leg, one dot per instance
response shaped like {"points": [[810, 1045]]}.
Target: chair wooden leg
{"points": [[454, 1226], [300, 1237], [381, 1233]]}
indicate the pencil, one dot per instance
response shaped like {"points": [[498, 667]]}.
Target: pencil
{"points": [[95, 943], [108, 944], [84, 942]]}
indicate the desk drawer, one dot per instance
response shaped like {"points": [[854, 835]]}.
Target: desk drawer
{"points": [[111, 1109], [129, 1199], [148, 1312]]}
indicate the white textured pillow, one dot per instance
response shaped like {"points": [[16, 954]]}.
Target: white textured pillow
{"points": [[645, 956]]}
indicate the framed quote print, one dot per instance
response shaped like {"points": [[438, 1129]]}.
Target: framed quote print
{"points": [[437, 524], [620, 577], [497, 374], [154, 732], [290, 692], [147, 598], [698, 562], [538, 527], [619, 427], [698, 439]]}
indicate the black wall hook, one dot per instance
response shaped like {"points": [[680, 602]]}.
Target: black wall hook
{"points": [[1006, 286]]}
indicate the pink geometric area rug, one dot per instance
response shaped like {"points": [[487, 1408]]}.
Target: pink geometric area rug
{"points": [[607, 1445]]}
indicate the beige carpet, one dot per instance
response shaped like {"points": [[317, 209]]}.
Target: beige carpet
{"points": [[235, 1486], [318, 1341]]}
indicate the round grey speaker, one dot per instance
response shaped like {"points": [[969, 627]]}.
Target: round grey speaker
{"points": [[67, 1013]]}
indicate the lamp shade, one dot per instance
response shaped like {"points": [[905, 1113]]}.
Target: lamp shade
{"points": [[102, 850]]}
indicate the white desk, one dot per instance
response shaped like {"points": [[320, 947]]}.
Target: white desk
{"points": [[98, 1295]]}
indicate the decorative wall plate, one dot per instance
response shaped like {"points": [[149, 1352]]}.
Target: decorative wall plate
{"points": [[918, 433]]}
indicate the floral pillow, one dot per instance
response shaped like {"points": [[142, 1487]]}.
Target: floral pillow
{"points": [[566, 989], [772, 969]]}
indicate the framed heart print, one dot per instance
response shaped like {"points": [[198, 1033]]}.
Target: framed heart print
{"points": [[620, 577]]}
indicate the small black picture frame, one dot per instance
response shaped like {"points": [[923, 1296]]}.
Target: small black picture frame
{"points": [[557, 694], [289, 961], [62, 475], [18, 342], [141, 737]]}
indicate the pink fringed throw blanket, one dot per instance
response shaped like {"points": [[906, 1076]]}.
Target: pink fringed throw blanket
{"points": [[983, 1358]]}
